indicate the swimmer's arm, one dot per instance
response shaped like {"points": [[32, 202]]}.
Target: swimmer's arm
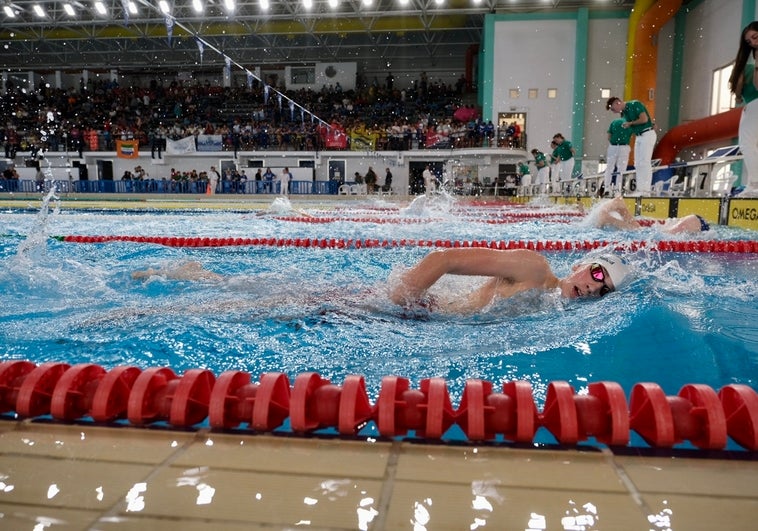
{"points": [[518, 266]]}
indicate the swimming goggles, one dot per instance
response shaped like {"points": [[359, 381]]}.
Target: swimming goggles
{"points": [[599, 275]]}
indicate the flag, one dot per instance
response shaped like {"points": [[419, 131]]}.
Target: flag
{"points": [[200, 47], [125, 9], [169, 28], [127, 149], [183, 145]]}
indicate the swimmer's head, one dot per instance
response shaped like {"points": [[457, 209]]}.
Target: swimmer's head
{"points": [[617, 268], [596, 276]]}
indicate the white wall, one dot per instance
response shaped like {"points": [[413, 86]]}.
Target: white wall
{"points": [[535, 55], [712, 35], [606, 68]]}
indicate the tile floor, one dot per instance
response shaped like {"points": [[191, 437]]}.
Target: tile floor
{"points": [[77, 477]]}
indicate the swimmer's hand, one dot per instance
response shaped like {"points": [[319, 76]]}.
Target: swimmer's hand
{"points": [[142, 275]]}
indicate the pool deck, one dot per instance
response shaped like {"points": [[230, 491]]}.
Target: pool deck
{"points": [[74, 477], [83, 476]]}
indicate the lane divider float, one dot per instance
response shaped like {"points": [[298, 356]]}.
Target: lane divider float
{"points": [[697, 413], [692, 246]]}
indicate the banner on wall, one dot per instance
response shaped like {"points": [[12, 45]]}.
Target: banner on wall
{"points": [[127, 149], [362, 141], [334, 138], [183, 145], [436, 141], [209, 142]]}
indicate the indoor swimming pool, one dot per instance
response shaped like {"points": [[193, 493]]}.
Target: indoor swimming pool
{"points": [[304, 289]]}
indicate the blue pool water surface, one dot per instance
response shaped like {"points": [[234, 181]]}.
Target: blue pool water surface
{"points": [[685, 318]]}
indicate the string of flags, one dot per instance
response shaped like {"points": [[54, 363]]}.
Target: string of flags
{"points": [[172, 21]]}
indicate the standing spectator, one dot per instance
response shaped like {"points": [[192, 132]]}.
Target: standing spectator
{"points": [[214, 177], [269, 178], [543, 169], [563, 153], [744, 85], [258, 181], [617, 155], [430, 182], [523, 173], [11, 143], [387, 181], [77, 144], [39, 180], [555, 164], [639, 121], [284, 181], [371, 180], [157, 138]]}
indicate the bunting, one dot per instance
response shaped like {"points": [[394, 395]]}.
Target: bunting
{"points": [[201, 44]]}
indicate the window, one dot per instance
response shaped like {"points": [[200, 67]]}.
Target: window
{"points": [[303, 75], [514, 93], [605, 93], [721, 98], [552, 93], [533, 94]]}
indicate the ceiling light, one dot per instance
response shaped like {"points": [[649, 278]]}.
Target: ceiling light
{"points": [[132, 7], [38, 10], [333, 4], [264, 5], [68, 8], [100, 7], [9, 11], [367, 2], [163, 5], [307, 4], [197, 5], [229, 5]]}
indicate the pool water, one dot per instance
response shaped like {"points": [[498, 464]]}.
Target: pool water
{"points": [[686, 318]]}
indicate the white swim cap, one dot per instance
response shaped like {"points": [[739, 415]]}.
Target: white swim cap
{"points": [[617, 268]]}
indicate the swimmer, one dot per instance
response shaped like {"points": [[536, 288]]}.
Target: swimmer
{"points": [[511, 272], [615, 214]]}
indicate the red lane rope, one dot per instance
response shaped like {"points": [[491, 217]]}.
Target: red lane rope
{"points": [[694, 246], [503, 219], [698, 414]]}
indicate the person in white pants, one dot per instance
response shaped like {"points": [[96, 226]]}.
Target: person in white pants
{"points": [[744, 85], [638, 120], [617, 155]]}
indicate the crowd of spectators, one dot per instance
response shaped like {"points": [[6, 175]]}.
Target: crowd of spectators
{"points": [[97, 113]]}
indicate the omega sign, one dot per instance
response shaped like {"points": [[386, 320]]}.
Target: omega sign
{"points": [[744, 214]]}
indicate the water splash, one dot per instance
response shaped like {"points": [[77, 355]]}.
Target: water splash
{"points": [[34, 246]]}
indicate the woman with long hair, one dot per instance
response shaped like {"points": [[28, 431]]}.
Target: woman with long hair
{"points": [[744, 85]]}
